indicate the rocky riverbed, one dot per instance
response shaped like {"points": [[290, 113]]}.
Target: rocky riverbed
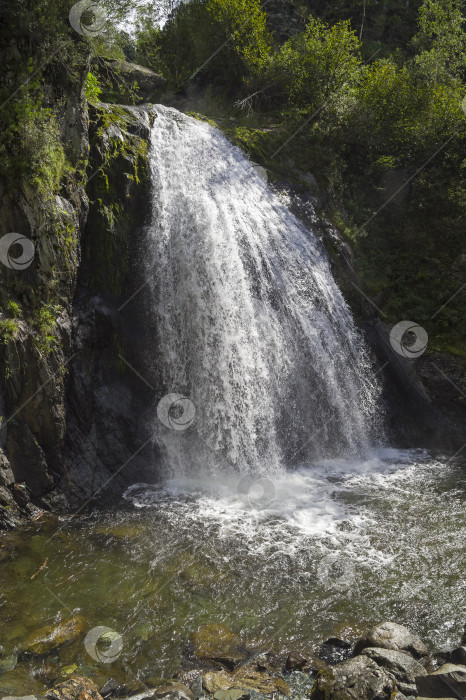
{"points": [[387, 662]]}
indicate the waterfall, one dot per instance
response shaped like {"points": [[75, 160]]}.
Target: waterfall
{"points": [[251, 326]]}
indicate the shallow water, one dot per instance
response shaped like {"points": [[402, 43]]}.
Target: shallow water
{"points": [[327, 549]]}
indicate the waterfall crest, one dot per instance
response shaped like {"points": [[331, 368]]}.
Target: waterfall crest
{"points": [[251, 325]]}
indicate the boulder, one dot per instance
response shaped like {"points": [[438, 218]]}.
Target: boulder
{"points": [[244, 678], [122, 75], [76, 688], [389, 635], [458, 656], [447, 679], [295, 661], [50, 637], [359, 678], [174, 691], [216, 642], [404, 668], [8, 663]]}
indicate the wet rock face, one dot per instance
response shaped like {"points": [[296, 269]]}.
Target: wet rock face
{"points": [[356, 679], [107, 440], [389, 635]]}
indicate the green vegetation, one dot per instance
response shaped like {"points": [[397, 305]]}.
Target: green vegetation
{"points": [[8, 328], [92, 88], [45, 320]]}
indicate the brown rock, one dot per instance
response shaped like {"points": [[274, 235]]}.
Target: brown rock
{"points": [[243, 678], [50, 637], [218, 643], [295, 661], [217, 680], [76, 688]]}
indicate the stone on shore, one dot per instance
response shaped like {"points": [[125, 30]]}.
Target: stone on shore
{"points": [[244, 678], [433, 685], [359, 678], [77, 688], [400, 664], [389, 635]]}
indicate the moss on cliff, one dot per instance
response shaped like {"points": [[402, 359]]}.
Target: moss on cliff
{"points": [[120, 178]]}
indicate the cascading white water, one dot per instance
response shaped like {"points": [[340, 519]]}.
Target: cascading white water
{"points": [[251, 325]]}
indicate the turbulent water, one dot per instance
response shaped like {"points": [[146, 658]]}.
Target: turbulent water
{"points": [[252, 328]]}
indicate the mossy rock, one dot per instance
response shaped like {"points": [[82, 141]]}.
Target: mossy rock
{"points": [[50, 637], [217, 642]]}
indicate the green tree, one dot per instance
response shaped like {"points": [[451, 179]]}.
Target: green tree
{"points": [[318, 64], [442, 40]]}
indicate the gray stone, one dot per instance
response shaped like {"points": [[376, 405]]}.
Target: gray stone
{"points": [[359, 678], [8, 664], [400, 664], [389, 635], [143, 81], [446, 679]]}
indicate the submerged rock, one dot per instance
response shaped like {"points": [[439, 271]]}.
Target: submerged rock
{"points": [[334, 650], [402, 665], [447, 678], [359, 678], [8, 663], [50, 637], [218, 643], [389, 635]]}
